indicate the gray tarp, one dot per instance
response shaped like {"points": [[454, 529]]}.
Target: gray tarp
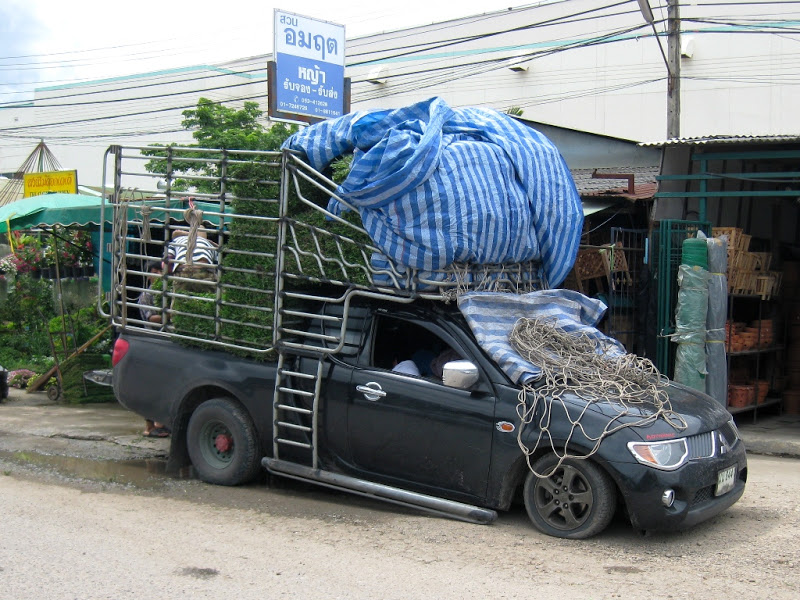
{"points": [[716, 362]]}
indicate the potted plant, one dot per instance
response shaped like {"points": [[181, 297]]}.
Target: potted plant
{"points": [[82, 243], [8, 270], [68, 258], [49, 262], [28, 255]]}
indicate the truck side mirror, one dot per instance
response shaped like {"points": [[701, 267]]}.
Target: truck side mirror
{"points": [[461, 374]]}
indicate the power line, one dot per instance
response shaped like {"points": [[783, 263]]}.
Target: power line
{"points": [[138, 87], [260, 70], [422, 78], [141, 98], [123, 116], [470, 69], [483, 36]]}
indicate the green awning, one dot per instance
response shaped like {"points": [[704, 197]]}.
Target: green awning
{"points": [[77, 210]]}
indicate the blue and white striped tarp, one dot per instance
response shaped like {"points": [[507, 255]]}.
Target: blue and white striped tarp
{"points": [[436, 185], [492, 316]]}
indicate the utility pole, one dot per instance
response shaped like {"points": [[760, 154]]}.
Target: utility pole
{"points": [[672, 59], [674, 70]]}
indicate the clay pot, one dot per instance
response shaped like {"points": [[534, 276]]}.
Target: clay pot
{"points": [[740, 396], [761, 387], [749, 340], [736, 326]]}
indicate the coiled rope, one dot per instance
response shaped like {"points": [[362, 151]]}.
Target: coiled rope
{"points": [[576, 364], [194, 217], [145, 229]]}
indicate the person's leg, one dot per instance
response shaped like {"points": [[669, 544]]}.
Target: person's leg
{"points": [[155, 429]]}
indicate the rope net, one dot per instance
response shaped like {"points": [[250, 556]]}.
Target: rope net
{"points": [[593, 369]]}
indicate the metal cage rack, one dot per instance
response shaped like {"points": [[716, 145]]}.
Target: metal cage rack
{"points": [[281, 252]]}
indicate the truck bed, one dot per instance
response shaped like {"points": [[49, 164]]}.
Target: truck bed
{"points": [[153, 381]]}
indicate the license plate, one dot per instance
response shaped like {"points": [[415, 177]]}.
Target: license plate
{"points": [[725, 480]]}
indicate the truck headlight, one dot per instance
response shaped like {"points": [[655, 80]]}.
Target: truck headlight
{"points": [[667, 455]]}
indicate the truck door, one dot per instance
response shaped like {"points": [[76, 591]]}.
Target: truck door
{"points": [[411, 429]]}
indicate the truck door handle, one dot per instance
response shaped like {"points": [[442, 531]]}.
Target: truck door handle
{"points": [[372, 391]]}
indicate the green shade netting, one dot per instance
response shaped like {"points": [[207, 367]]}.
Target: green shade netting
{"points": [[690, 325]]}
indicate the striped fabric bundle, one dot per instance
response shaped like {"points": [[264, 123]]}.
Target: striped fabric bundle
{"points": [[205, 251], [436, 185], [492, 316]]}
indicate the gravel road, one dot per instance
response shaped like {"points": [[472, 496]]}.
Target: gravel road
{"points": [[68, 536]]}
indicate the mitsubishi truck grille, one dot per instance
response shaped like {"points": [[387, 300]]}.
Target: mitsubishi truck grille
{"points": [[701, 445], [706, 445]]}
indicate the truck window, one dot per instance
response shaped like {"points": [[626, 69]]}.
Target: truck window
{"points": [[405, 347]]}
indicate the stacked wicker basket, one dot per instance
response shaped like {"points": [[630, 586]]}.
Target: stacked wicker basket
{"points": [[743, 390], [748, 272], [740, 337], [741, 395]]}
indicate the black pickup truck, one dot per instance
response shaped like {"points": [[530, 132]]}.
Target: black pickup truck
{"points": [[446, 442]]}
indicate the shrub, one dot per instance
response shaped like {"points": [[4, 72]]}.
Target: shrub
{"points": [[75, 389], [20, 378], [77, 329]]}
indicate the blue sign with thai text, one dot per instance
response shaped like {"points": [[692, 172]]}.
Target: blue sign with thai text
{"points": [[309, 57]]}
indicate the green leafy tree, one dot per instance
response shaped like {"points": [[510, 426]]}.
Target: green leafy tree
{"points": [[252, 183], [217, 126]]}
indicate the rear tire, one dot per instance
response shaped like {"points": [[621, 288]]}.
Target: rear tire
{"points": [[576, 502], [222, 443]]}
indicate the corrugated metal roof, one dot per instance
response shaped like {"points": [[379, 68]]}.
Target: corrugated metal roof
{"points": [[644, 191], [725, 139], [644, 180]]}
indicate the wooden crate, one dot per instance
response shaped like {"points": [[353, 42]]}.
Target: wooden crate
{"points": [[761, 260], [742, 282], [767, 284], [589, 263], [737, 239], [742, 261]]}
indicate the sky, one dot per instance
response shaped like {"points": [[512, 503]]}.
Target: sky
{"points": [[52, 42]]}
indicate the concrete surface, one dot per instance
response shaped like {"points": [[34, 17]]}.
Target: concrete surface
{"points": [[774, 435], [32, 422]]}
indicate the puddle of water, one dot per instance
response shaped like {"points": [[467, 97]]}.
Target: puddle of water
{"points": [[145, 473], [271, 495]]}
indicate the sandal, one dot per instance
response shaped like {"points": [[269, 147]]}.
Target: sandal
{"points": [[158, 432]]}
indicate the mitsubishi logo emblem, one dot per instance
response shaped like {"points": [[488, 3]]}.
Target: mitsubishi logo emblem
{"points": [[723, 443]]}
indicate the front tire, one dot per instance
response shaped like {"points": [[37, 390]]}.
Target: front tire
{"points": [[575, 502], [222, 443]]}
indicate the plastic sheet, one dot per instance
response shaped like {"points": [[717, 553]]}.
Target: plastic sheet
{"points": [[690, 328], [716, 361], [492, 316], [436, 185]]}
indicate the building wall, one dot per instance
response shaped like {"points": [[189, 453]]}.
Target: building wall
{"points": [[575, 66], [601, 72], [774, 219]]}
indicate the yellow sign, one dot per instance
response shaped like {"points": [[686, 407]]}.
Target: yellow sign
{"points": [[36, 184]]}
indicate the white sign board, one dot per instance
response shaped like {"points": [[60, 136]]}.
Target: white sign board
{"points": [[309, 57]]}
